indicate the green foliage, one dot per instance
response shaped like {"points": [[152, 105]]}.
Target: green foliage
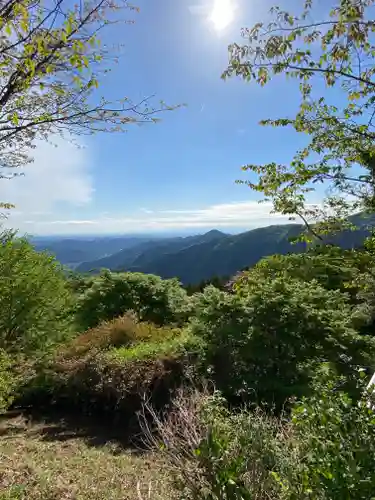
{"points": [[78, 283], [216, 281], [332, 267], [350, 271], [151, 298], [337, 446], [51, 64], [340, 48], [230, 471], [171, 343], [123, 331], [271, 339], [35, 300], [215, 454], [7, 381], [109, 384], [325, 452]]}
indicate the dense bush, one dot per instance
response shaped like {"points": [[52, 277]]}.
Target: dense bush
{"points": [[265, 345], [332, 267], [151, 298], [350, 271], [7, 381], [326, 452], [120, 332], [111, 382], [336, 447], [215, 454], [35, 302]]}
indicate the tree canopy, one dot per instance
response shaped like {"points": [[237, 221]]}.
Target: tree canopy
{"points": [[51, 63], [35, 300], [338, 48]]}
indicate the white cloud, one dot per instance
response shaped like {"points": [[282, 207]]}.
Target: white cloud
{"points": [[59, 174], [67, 222], [237, 216], [199, 10]]}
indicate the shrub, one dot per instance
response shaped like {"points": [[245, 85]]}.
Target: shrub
{"points": [[214, 454], [332, 267], [151, 298], [7, 381], [270, 340], [336, 437], [112, 383], [120, 332], [173, 343], [34, 298], [325, 452], [78, 283]]}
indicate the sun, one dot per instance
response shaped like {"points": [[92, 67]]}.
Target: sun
{"points": [[222, 14]]}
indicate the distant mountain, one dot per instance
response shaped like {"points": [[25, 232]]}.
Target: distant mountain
{"points": [[196, 258], [145, 253], [223, 257], [73, 251]]}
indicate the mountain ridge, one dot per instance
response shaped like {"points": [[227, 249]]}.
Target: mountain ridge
{"points": [[146, 252], [195, 258]]}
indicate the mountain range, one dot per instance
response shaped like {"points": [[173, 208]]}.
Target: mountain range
{"points": [[193, 258], [75, 250]]}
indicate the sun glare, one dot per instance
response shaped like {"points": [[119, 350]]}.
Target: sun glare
{"points": [[222, 14]]}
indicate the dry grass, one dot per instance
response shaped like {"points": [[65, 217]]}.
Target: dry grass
{"points": [[36, 464], [123, 331], [213, 453]]}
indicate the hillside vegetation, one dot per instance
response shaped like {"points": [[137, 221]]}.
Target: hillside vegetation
{"points": [[124, 384], [196, 258], [141, 355]]}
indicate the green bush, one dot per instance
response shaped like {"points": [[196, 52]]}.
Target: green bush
{"points": [[7, 381], [123, 331], [336, 436], [332, 267], [325, 452], [170, 343], [151, 298], [110, 383], [265, 345], [214, 454], [35, 302]]}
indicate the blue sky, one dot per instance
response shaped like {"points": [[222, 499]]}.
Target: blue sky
{"points": [[177, 175]]}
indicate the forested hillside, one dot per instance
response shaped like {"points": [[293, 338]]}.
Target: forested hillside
{"points": [[144, 254], [198, 258]]}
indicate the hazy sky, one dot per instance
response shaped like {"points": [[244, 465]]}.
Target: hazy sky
{"points": [[181, 172]]}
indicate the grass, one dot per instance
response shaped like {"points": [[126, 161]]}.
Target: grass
{"points": [[122, 332], [45, 461], [152, 349]]}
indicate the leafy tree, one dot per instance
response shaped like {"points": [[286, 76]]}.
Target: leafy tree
{"points": [[271, 340], [350, 271], [35, 300], [332, 267], [151, 298], [340, 50], [51, 61], [78, 282], [216, 281]]}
